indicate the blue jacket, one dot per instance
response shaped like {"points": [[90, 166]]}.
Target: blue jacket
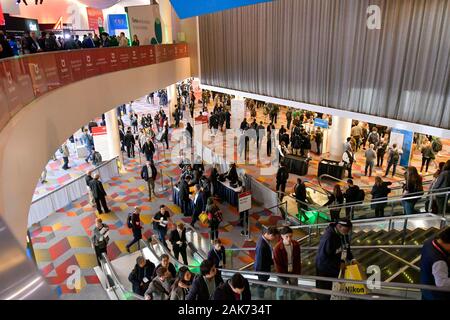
{"points": [[432, 253], [328, 259], [263, 257]]}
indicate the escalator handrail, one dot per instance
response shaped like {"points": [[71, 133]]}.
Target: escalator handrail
{"points": [[381, 246], [400, 285]]}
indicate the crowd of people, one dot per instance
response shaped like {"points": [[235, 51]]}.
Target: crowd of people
{"points": [[30, 43]]}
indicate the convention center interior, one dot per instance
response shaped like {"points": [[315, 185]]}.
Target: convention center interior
{"points": [[247, 150]]}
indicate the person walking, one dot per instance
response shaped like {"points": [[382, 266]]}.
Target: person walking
{"points": [[99, 194], [160, 223], [379, 193], [134, 223], [178, 240], [88, 142], [149, 174], [88, 180], [263, 256], [427, 156], [198, 204], [286, 256], [100, 239], [370, 159], [413, 187], [66, 154], [348, 158], [282, 178], [381, 150], [129, 142], [214, 219], [300, 196], [148, 149], [393, 158]]}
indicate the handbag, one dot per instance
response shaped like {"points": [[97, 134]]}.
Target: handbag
{"points": [[203, 217]]}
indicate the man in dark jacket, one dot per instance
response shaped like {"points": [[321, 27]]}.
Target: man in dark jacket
{"points": [[179, 242], [129, 143], [199, 204], [100, 239], [142, 275], [263, 256], [184, 197], [300, 196], [88, 180], [165, 263], [235, 289], [99, 194], [282, 178], [334, 250], [148, 149], [435, 266], [134, 222], [352, 194], [217, 254], [204, 285], [149, 173]]}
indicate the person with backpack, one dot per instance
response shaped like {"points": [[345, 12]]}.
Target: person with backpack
{"points": [[393, 158], [282, 178], [348, 158], [96, 158], [88, 142], [100, 239], [381, 150], [370, 159], [134, 223], [178, 240], [160, 223], [149, 174], [353, 195], [214, 218], [374, 137], [427, 155]]}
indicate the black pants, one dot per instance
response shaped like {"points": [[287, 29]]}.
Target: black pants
{"points": [[326, 285], [281, 186], [243, 220], [195, 217], [180, 250], [66, 163], [349, 170], [394, 166], [349, 212], [166, 139], [319, 145], [99, 253], [185, 208], [262, 289], [101, 201], [269, 147], [379, 211], [214, 232], [380, 159], [136, 238], [426, 162], [130, 151], [289, 123]]}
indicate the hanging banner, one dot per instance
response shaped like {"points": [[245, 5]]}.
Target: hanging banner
{"points": [[117, 23], [193, 8], [404, 140], [145, 22], [100, 136], [95, 18], [2, 18]]}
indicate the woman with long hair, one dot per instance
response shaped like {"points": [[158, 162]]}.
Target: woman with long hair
{"points": [[182, 284], [412, 187], [379, 193], [335, 199]]}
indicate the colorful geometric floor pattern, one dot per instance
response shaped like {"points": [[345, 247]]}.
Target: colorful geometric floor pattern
{"points": [[62, 240]]}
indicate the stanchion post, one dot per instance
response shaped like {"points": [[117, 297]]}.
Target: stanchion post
{"points": [[162, 188]]}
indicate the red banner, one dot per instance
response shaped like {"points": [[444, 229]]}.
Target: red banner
{"points": [[95, 18], [2, 18], [26, 78]]}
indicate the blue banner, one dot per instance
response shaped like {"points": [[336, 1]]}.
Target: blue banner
{"points": [[408, 137], [117, 22], [193, 8], [323, 123]]}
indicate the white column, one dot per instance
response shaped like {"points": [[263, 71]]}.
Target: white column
{"points": [[172, 101], [340, 131], [237, 112], [112, 130], [165, 10]]}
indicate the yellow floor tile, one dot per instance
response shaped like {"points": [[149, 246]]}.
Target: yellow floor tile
{"points": [[42, 255], [79, 241], [86, 260]]}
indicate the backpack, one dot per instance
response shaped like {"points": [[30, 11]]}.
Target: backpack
{"points": [[436, 146], [373, 138], [395, 155], [129, 220], [97, 157]]}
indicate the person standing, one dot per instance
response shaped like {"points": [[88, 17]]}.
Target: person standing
{"points": [[381, 150], [288, 118], [149, 173], [427, 156], [334, 251], [300, 196], [165, 135], [270, 135], [352, 195], [335, 199], [379, 193], [88, 180], [263, 255], [370, 159], [198, 204], [129, 143], [99, 194], [235, 289], [159, 288], [88, 142], [393, 158], [217, 254], [442, 181], [160, 223], [348, 158], [136, 42], [205, 284], [182, 284], [178, 240], [413, 187], [214, 219], [183, 194], [435, 266], [141, 275], [66, 154], [134, 223], [286, 256], [100, 239], [318, 137], [148, 149], [282, 178]]}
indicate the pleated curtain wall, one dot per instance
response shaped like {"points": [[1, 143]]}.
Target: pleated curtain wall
{"points": [[322, 52]]}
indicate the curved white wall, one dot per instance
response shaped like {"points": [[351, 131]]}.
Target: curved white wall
{"points": [[33, 135]]}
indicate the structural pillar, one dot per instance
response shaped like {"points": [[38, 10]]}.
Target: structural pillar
{"points": [[165, 10], [339, 132], [237, 112], [172, 101], [113, 137]]}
